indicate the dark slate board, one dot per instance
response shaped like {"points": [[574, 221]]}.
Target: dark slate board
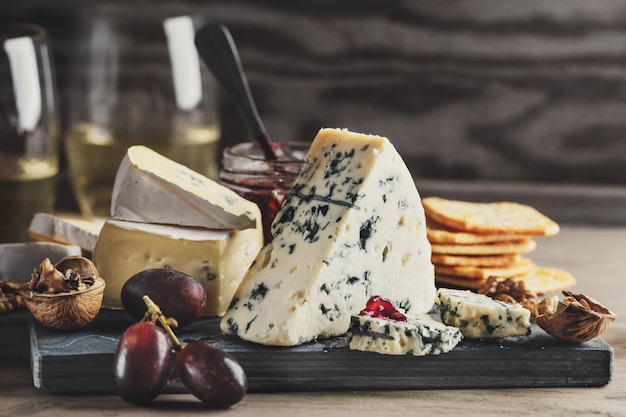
{"points": [[14, 334], [81, 362]]}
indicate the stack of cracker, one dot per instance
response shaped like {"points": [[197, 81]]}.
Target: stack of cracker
{"points": [[474, 241]]}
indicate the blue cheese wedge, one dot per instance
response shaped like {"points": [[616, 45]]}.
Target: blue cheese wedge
{"points": [[151, 188], [352, 226], [479, 316], [420, 335]]}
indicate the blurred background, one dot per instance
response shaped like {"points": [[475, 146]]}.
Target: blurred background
{"points": [[484, 90]]}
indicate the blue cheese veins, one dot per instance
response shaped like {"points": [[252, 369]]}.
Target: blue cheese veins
{"points": [[478, 316], [421, 335], [353, 225]]}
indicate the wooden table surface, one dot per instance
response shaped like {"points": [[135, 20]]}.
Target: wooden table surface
{"points": [[594, 254]]}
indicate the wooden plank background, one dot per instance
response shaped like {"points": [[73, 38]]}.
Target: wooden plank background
{"points": [[473, 90]]}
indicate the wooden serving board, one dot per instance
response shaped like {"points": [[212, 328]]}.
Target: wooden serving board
{"points": [[82, 362]]}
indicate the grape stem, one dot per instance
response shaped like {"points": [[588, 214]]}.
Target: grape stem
{"points": [[155, 311]]}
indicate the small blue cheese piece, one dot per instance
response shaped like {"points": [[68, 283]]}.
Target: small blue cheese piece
{"points": [[478, 316], [421, 335], [352, 226]]}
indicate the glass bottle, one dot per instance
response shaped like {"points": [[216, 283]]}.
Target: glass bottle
{"points": [[265, 182]]}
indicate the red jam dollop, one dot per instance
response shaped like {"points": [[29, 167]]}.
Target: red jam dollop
{"points": [[380, 307]]}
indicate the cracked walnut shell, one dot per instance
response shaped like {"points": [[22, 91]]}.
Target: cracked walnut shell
{"points": [[577, 318], [65, 296]]}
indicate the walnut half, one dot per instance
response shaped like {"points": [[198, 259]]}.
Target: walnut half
{"points": [[577, 318], [65, 296]]}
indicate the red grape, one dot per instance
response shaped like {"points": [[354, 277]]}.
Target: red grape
{"points": [[212, 375], [142, 363], [177, 294]]}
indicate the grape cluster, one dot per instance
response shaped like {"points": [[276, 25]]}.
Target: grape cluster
{"points": [[147, 356]]}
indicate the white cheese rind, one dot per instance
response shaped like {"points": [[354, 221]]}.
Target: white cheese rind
{"points": [[67, 229], [217, 259], [421, 335], [151, 188], [18, 260], [479, 316], [352, 226]]}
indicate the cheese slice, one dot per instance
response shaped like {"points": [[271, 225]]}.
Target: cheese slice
{"points": [[151, 188], [66, 229], [216, 258], [481, 317], [420, 335], [352, 226]]}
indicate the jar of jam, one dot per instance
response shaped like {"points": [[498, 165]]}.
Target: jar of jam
{"points": [[266, 182]]}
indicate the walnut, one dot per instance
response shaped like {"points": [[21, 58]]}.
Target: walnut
{"points": [[577, 318], [505, 298], [515, 289], [512, 291], [10, 298], [65, 296]]}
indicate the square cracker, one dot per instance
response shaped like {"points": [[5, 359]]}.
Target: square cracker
{"points": [[541, 280], [438, 233], [476, 260], [521, 246], [490, 218], [522, 266]]}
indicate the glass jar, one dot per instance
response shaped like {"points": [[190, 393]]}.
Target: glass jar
{"points": [[266, 182]]}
